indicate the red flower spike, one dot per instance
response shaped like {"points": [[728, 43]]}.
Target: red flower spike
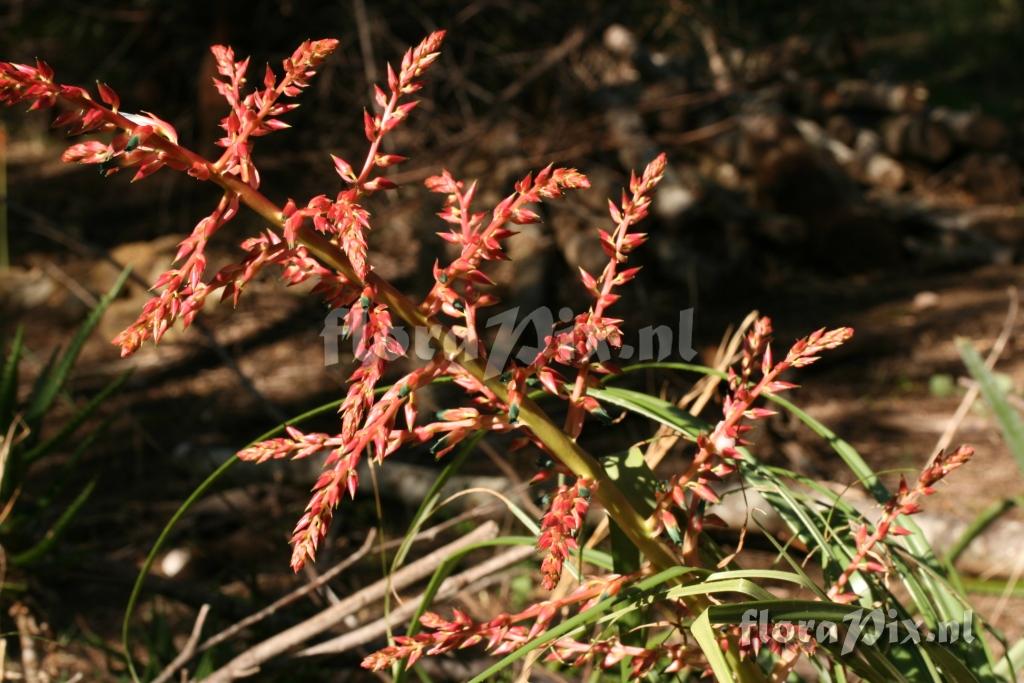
{"points": [[560, 526], [905, 502]]}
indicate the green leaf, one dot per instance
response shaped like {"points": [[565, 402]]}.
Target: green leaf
{"points": [[68, 468], [709, 645], [652, 407], [866, 659], [953, 669], [76, 421], [44, 545], [191, 500], [978, 525], [57, 374], [1012, 663], [9, 380], [430, 501], [446, 567], [929, 584], [638, 483], [1009, 419]]}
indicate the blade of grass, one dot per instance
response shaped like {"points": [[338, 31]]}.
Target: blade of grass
{"points": [[1012, 663], [980, 523], [57, 376], [33, 554], [430, 500], [709, 645], [656, 409], [9, 379], [1010, 422], [69, 427], [930, 590]]}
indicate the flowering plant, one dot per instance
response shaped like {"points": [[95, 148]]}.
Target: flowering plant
{"points": [[685, 585]]}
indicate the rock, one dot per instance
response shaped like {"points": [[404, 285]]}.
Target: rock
{"points": [[24, 289], [148, 260]]}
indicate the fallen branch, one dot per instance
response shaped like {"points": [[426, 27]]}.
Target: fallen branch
{"points": [[248, 663], [291, 597], [451, 587]]}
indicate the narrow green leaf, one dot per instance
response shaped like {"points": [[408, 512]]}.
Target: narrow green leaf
{"points": [[953, 668], [44, 545], [709, 645], [191, 500], [1010, 421], [76, 421], [980, 523], [929, 584], [446, 567], [638, 482], [429, 503], [69, 467], [1012, 663], [651, 407], [9, 379], [54, 380]]}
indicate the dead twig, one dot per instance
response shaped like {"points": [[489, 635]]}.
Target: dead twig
{"points": [[451, 587], [365, 42], [695, 135], [188, 651], [249, 661], [291, 597], [27, 632], [552, 58]]}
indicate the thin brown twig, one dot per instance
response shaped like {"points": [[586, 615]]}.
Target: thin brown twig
{"points": [[190, 647], [291, 597], [26, 639], [701, 134], [551, 59], [72, 285], [365, 42]]}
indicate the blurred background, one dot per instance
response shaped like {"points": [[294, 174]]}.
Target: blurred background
{"points": [[831, 163]]}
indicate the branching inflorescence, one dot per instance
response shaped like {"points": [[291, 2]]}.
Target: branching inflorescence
{"points": [[324, 240]]}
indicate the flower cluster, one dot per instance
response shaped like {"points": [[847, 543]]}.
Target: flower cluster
{"points": [[253, 114], [757, 375], [609, 652], [592, 328], [904, 502], [560, 527], [502, 634]]}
